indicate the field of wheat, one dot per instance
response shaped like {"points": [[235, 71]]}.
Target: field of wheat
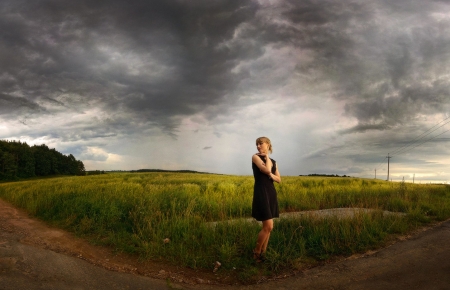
{"points": [[168, 216]]}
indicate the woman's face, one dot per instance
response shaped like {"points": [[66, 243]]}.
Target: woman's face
{"points": [[262, 147]]}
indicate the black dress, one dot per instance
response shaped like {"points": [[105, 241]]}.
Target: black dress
{"points": [[265, 203]]}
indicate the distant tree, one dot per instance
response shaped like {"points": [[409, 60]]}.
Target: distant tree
{"points": [[26, 164], [43, 166], [72, 165], [8, 166], [54, 156], [80, 168]]}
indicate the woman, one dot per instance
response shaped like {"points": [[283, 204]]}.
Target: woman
{"points": [[265, 204]]}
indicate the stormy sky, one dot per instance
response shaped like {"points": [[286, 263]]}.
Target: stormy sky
{"points": [[336, 85]]}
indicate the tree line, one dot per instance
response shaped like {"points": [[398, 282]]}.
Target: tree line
{"points": [[19, 160], [325, 175]]}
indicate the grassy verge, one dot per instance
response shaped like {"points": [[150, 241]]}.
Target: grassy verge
{"points": [[135, 212]]}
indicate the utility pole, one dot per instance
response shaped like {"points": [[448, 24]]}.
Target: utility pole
{"points": [[388, 157], [375, 173]]}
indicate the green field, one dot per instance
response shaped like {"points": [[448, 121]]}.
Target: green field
{"points": [[135, 212]]}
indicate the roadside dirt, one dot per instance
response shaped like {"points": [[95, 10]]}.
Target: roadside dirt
{"points": [[36, 256], [16, 224]]}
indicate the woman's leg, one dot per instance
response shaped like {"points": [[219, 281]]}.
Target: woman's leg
{"points": [[264, 246], [263, 236]]}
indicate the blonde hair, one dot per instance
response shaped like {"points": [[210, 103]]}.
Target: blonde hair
{"points": [[264, 140]]}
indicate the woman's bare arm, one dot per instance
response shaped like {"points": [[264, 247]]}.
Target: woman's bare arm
{"points": [[265, 167], [276, 177]]}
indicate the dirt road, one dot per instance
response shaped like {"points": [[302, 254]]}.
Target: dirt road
{"points": [[36, 256]]}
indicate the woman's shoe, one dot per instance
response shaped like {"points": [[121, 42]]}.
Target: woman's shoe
{"points": [[262, 257], [258, 257]]}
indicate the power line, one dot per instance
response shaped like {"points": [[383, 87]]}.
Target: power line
{"points": [[430, 139], [414, 141], [379, 164], [421, 136]]}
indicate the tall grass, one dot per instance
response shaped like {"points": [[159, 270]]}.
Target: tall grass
{"points": [[135, 212]]}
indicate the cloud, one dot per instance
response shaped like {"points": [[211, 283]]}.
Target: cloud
{"points": [[97, 154], [387, 71], [19, 106], [159, 62], [364, 127], [155, 61]]}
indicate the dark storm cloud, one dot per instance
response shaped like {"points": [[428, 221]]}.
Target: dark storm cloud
{"points": [[365, 127], [13, 106], [149, 63], [387, 60], [156, 60]]}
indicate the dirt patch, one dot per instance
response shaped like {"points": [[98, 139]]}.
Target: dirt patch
{"points": [[31, 231]]}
